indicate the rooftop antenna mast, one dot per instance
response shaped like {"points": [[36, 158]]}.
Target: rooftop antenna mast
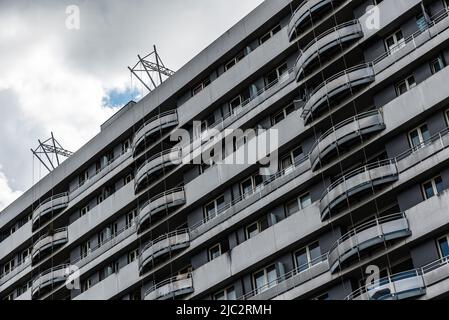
{"points": [[152, 66], [52, 150]]}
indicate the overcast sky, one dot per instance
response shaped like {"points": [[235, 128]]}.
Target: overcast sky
{"points": [[70, 81]]}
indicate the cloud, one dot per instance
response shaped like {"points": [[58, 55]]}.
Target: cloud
{"points": [[70, 82]]}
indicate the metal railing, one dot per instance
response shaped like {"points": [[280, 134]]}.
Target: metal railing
{"points": [[286, 276], [367, 168], [250, 193], [169, 235], [169, 281], [161, 155], [344, 123], [306, 111], [161, 195], [52, 198], [157, 117], [51, 270], [365, 226]]}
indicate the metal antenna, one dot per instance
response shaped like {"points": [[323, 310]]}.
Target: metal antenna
{"points": [[51, 146], [153, 67]]}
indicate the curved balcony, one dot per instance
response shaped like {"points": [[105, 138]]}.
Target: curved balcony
{"points": [[49, 279], [46, 243], [356, 183], [172, 288], [336, 86], [154, 165], [308, 8], [330, 39], [344, 133], [153, 127], [162, 246], [368, 235], [164, 201], [54, 204], [401, 286]]}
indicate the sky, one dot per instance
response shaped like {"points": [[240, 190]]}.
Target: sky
{"points": [[55, 77]]}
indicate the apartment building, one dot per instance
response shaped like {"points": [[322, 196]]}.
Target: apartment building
{"points": [[358, 93]]}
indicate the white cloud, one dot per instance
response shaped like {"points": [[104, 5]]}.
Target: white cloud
{"points": [[55, 79], [7, 195]]}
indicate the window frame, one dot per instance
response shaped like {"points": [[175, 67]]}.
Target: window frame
{"points": [[398, 44], [215, 203], [419, 130], [434, 187], [267, 285], [308, 253], [209, 251], [407, 83]]}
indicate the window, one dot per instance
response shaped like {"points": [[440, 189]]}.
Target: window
{"points": [[213, 208], [418, 136], [269, 34], [432, 187], [25, 255], [208, 122], [234, 60], [131, 218], [126, 145], [133, 255], [290, 159], [443, 246], [83, 177], [108, 270], [251, 185], [405, 85], [256, 227], [85, 249], [298, 204], [226, 294], [265, 279], [8, 267], [129, 178], [86, 285], [437, 64], [100, 199], [214, 252], [108, 233], [235, 103], [200, 87], [273, 76], [306, 257], [84, 210], [395, 42], [282, 114]]}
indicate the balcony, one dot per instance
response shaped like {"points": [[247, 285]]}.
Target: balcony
{"points": [[47, 243], [50, 206], [331, 39], [164, 201], [159, 248], [49, 279], [173, 288], [345, 133], [152, 127], [308, 8], [368, 235], [335, 87], [154, 165], [356, 183], [404, 285]]}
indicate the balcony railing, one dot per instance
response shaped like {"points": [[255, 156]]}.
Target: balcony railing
{"points": [[58, 238], [345, 132], [368, 235], [153, 126], [164, 201], [356, 182], [346, 32], [155, 164], [302, 163], [51, 205], [171, 288], [290, 280], [335, 86], [305, 10], [48, 279], [171, 242]]}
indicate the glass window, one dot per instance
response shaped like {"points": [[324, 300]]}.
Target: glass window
{"points": [[227, 294], [437, 64], [443, 246], [307, 256], [265, 279], [213, 208], [395, 42], [298, 204], [432, 187], [405, 85], [214, 252], [418, 136]]}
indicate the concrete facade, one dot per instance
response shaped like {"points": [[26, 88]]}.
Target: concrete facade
{"points": [[357, 93]]}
